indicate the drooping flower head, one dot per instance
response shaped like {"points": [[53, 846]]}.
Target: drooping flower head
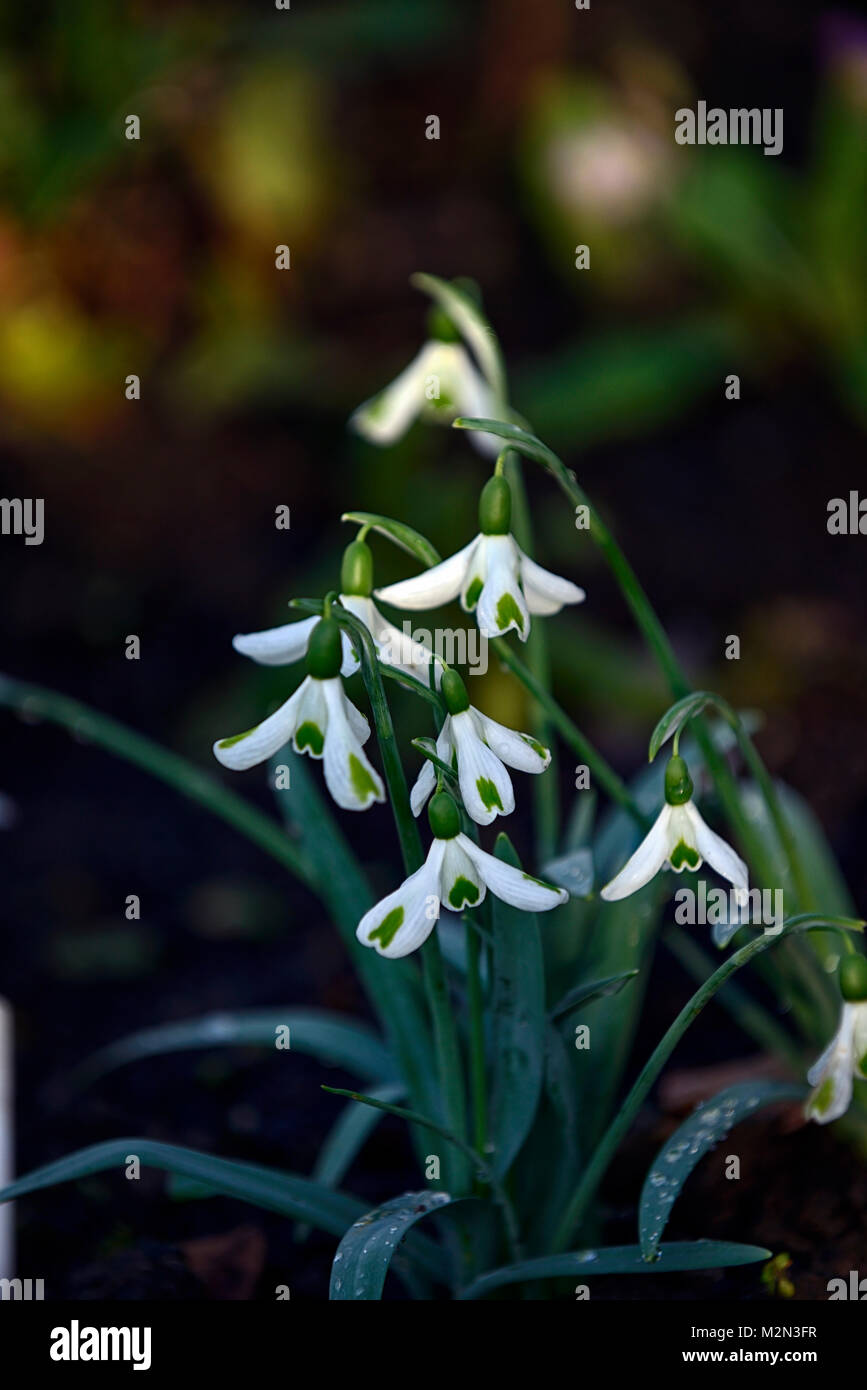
{"points": [[456, 874], [492, 575], [319, 720], [481, 749], [280, 646], [441, 383], [845, 1057], [678, 839]]}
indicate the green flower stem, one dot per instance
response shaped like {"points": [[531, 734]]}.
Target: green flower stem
{"points": [[475, 1004], [601, 770], [545, 798], [414, 1117], [448, 1050], [37, 703], [755, 1020], [620, 1126]]}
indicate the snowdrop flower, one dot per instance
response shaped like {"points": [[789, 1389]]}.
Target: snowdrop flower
{"points": [[678, 839], [280, 646], [846, 1055], [481, 747], [455, 874], [319, 720], [492, 575], [441, 383]]}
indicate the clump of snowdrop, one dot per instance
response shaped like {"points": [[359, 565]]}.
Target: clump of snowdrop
{"points": [[456, 874], [481, 749], [440, 383], [281, 646], [492, 575], [678, 839], [320, 720], [846, 1055]]}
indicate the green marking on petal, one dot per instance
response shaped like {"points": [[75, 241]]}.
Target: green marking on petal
{"points": [[462, 891], [474, 592], [541, 883], [236, 738], [537, 747], [362, 783], [508, 612], [823, 1097], [862, 1066], [684, 854], [388, 927], [488, 792], [309, 735]]}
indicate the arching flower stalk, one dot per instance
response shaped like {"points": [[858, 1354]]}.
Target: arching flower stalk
{"points": [[320, 720], [481, 749], [492, 576], [456, 874]]}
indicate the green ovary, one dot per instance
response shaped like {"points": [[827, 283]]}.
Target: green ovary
{"points": [[684, 855], [488, 792], [309, 735], [362, 783], [388, 927], [508, 611], [462, 891]]}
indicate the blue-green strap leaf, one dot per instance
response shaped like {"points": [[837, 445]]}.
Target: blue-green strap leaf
{"points": [[368, 1247], [335, 1040], [707, 1125], [591, 989], [619, 1259]]}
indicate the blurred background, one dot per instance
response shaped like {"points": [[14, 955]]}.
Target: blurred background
{"points": [[157, 257]]}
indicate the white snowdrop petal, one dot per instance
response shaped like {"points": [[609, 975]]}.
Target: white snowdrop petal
{"points": [[422, 787], [477, 401], [311, 721], [547, 588], [256, 745], [403, 921], [461, 884], [512, 885], [276, 646], [349, 777], [859, 1039], [432, 587], [398, 649], [647, 860], [485, 784], [388, 415], [833, 1084], [520, 751], [501, 605], [718, 853]]}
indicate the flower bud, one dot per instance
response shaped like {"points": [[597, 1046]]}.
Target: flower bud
{"points": [[443, 816], [678, 783], [324, 650], [495, 507], [454, 692], [853, 978], [356, 571]]}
